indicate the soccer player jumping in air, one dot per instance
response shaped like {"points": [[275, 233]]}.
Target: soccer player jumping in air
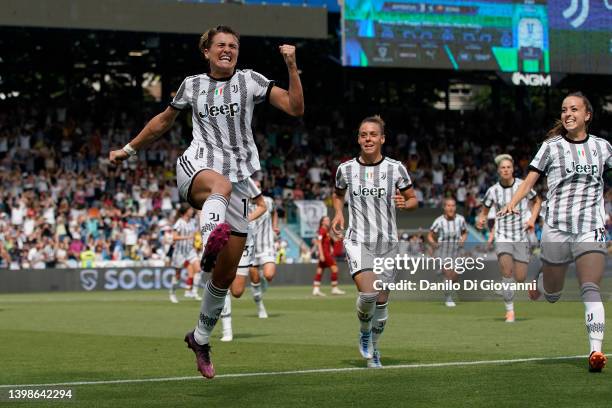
{"points": [[213, 172], [511, 244], [376, 186], [574, 230]]}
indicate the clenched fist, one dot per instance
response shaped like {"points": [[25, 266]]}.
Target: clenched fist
{"points": [[288, 53], [117, 156]]}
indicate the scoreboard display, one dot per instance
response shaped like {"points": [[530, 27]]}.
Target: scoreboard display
{"points": [[534, 36]]}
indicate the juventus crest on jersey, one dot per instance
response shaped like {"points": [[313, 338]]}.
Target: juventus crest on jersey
{"points": [[574, 173], [511, 227], [222, 112], [370, 198]]}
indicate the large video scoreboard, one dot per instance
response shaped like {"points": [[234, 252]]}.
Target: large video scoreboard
{"points": [[536, 36]]}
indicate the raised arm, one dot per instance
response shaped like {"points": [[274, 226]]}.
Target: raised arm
{"points": [[290, 101], [156, 127]]}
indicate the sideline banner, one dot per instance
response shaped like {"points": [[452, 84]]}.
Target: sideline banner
{"points": [[126, 278], [310, 213], [53, 280]]}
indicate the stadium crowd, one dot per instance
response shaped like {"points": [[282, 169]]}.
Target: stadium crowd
{"points": [[63, 205]]}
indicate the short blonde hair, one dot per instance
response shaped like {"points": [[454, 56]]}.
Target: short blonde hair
{"points": [[501, 157]]}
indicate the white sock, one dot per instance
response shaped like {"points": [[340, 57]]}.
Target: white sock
{"points": [[212, 214], [508, 294], [213, 302], [366, 302], [381, 314], [540, 282], [197, 278], [173, 285], [226, 314], [448, 294], [594, 314], [257, 292]]}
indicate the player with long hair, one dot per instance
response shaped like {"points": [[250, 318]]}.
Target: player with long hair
{"points": [[213, 173], [512, 246], [376, 186], [574, 163]]}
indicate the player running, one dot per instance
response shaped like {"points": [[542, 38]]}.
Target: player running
{"points": [[257, 208], [574, 230], [512, 245], [265, 228], [326, 260], [213, 172], [446, 236], [184, 254], [376, 186]]}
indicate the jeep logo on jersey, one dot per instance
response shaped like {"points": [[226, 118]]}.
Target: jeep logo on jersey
{"points": [[377, 192], [225, 109], [578, 168]]}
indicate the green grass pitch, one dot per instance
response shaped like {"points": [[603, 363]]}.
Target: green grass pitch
{"points": [[71, 337]]}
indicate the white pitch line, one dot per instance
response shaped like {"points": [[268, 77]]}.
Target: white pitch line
{"points": [[311, 371]]}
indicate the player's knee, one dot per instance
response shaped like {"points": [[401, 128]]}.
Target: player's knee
{"points": [[223, 186], [237, 292], [223, 282], [383, 297]]}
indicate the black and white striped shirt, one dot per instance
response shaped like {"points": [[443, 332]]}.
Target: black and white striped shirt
{"points": [[371, 188], [262, 228], [222, 111], [449, 230], [574, 171], [511, 227], [184, 228]]}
